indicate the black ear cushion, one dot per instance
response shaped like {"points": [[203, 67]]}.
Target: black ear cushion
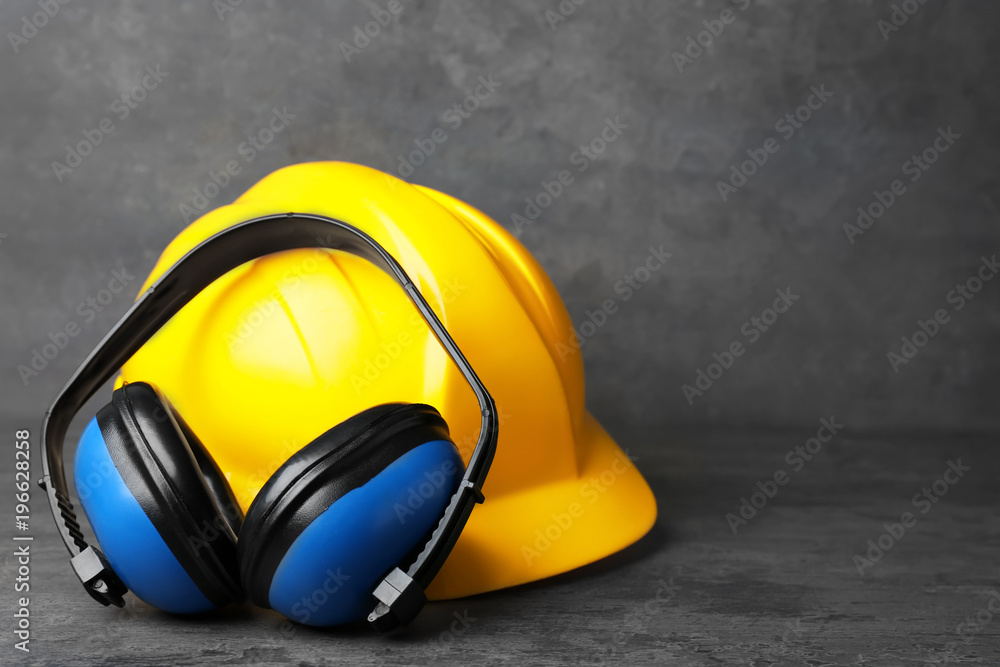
{"points": [[178, 486], [218, 487], [344, 458]]}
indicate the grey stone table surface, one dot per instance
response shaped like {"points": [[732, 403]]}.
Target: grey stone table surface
{"points": [[785, 589]]}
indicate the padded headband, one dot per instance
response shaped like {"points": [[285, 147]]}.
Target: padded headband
{"points": [[400, 595]]}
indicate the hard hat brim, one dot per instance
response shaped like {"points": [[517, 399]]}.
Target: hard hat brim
{"points": [[544, 531]]}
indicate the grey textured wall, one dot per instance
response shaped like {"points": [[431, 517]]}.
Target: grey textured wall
{"points": [[656, 183]]}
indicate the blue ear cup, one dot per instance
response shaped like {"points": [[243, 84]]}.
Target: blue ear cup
{"points": [[342, 512], [161, 510]]}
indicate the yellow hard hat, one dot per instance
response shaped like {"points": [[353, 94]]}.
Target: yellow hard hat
{"points": [[282, 348]]}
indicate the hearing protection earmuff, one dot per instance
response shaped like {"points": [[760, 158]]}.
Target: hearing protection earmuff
{"points": [[323, 536]]}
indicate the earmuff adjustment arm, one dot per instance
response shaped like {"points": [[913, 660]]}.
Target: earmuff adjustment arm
{"points": [[98, 578], [400, 600], [400, 594], [476, 492]]}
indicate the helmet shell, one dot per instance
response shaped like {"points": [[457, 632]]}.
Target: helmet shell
{"points": [[280, 349]]}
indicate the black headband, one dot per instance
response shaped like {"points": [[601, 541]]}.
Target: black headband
{"points": [[400, 595]]}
